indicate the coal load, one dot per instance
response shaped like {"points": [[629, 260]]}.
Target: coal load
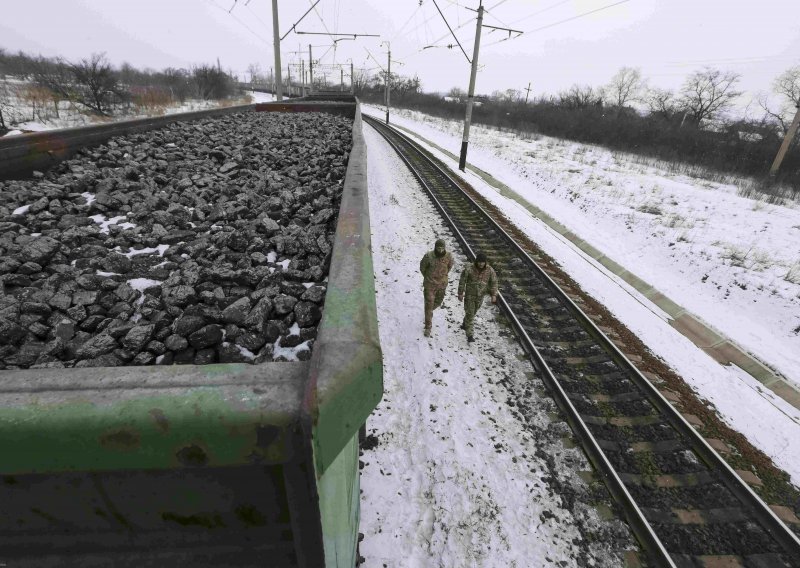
{"points": [[202, 242]]}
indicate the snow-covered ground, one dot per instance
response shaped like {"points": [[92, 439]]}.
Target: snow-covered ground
{"points": [[768, 422], [732, 260], [457, 477], [71, 118]]}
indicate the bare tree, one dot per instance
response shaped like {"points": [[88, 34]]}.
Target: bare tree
{"points": [[255, 72], [509, 95], [625, 87], [580, 96], [360, 80], [178, 83], [5, 106], [787, 84], [95, 83], [456, 93], [55, 75], [787, 87], [212, 83], [661, 102], [405, 86], [709, 92]]}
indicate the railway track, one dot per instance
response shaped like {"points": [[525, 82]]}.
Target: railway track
{"points": [[684, 503]]}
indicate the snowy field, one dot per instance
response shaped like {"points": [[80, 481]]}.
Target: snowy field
{"points": [[458, 477], [768, 422], [734, 261], [69, 117]]}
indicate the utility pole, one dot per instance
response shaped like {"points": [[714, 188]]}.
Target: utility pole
{"points": [[341, 78], [528, 92], [787, 141], [388, 79], [352, 79], [302, 78], [310, 71], [462, 161], [289, 80], [276, 45]]}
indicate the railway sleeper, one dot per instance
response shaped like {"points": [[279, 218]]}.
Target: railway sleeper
{"points": [[585, 361], [588, 385], [667, 481], [768, 560], [567, 332], [600, 383], [711, 495], [717, 540], [644, 420], [696, 516], [639, 447]]}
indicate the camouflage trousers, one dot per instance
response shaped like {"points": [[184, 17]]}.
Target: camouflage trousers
{"points": [[433, 299], [471, 305]]}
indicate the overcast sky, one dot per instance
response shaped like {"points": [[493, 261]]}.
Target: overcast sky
{"points": [[667, 39]]}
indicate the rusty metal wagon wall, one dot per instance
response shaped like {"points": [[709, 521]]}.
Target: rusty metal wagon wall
{"points": [[212, 465]]}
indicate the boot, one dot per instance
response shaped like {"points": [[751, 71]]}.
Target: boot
{"points": [[427, 332], [470, 339]]}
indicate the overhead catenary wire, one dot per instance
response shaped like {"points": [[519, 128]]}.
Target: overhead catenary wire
{"points": [[564, 21], [452, 32], [606, 7], [294, 25], [248, 28], [436, 41], [369, 53], [414, 13], [486, 11], [462, 24], [324, 25], [542, 11]]}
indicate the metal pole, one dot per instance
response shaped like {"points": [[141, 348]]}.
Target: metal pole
{"points": [[276, 45], [289, 80], [352, 78], [388, 79], [302, 78], [787, 140], [341, 78], [462, 161], [310, 71]]}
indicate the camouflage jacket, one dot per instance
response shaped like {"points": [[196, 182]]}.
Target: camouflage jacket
{"points": [[476, 283], [435, 269]]}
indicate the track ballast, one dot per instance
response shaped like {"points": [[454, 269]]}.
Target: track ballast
{"points": [[685, 504]]}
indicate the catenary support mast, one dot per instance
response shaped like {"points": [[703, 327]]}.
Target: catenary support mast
{"points": [[787, 141], [276, 45], [462, 161]]}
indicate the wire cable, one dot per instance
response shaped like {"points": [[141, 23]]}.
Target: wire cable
{"points": [[578, 16], [375, 60], [253, 13], [258, 37], [542, 11], [563, 21], [452, 32], [414, 13]]}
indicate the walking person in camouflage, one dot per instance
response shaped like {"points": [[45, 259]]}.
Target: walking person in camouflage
{"points": [[435, 266], [477, 280]]}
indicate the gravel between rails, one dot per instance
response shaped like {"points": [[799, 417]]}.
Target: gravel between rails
{"points": [[201, 242]]}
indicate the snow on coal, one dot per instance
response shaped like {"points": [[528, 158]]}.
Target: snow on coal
{"points": [[205, 241]]}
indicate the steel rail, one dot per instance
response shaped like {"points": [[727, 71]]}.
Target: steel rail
{"points": [[639, 524], [767, 518]]}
